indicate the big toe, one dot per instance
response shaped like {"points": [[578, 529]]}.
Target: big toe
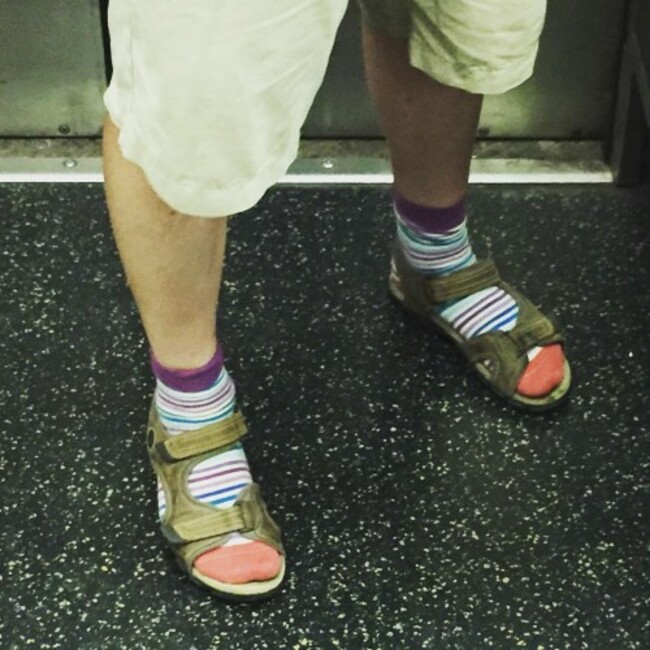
{"points": [[240, 563], [544, 373]]}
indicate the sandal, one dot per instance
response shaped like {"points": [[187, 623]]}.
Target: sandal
{"points": [[499, 357], [191, 527]]}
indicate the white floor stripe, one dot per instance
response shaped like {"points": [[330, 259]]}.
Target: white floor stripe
{"points": [[343, 171]]}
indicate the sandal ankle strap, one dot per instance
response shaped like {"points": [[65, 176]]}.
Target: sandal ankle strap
{"points": [[462, 283], [172, 449]]}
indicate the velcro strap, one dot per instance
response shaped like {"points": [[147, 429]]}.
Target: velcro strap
{"points": [[527, 335], [497, 352], [208, 524], [210, 438], [463, 283]]}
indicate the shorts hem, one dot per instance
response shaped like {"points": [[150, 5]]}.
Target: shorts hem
{"points": [[190, 198], [212, 203], [477, 80]]}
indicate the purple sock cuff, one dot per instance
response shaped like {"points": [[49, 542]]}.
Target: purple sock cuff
{"points": [[430, 219], [190, 380]]}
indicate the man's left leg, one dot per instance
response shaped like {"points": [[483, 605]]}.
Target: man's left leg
{"points": [[430, 128]]}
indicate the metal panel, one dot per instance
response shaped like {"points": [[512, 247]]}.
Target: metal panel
{"points": [[52, 75], [630, 135], [51, 68], [570, 96]]}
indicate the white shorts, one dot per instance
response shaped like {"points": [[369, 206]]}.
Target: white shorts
{"points": [[481, 46], [210, 95]]}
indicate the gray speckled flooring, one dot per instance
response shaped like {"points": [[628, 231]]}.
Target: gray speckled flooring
{"points": [[418, 510]]}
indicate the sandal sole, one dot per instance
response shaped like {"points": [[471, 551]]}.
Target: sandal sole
{"points": [[249, 592]]}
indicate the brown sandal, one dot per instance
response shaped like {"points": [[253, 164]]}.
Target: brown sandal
{"points": [[192, 527], [500, 358]]}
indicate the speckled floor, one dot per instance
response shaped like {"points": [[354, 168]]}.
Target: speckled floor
{"points": [[418, 510]]}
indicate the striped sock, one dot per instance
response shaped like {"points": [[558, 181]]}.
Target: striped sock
{"points": [[442, 247], [191, 399], [435, 242]]}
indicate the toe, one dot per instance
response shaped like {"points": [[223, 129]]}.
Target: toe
{"points": [[240, 563], [544, 373]]}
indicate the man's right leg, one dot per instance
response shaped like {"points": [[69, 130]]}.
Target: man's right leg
{"points": [[173, 263], [209, 99]]}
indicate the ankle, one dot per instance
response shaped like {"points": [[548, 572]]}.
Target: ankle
{"points": [[434, 241], [184, 362], [188, 399], [184, 355], [428, 218]]}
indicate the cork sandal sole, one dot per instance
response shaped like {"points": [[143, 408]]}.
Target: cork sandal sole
{"points": [[248, 592]]}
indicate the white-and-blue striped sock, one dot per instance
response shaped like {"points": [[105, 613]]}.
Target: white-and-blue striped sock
{"points": [[435, 242], [218, 480]]}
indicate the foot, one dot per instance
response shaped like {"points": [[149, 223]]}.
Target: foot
{"points": [[433, 244], [188, 401], [500, 357], [236, 550], [217, 481], [493, 309]]}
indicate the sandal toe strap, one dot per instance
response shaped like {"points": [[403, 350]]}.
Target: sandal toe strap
{"points": [[248, 514], [499, 360], [538, 331], [198, 525], [202, 528], [503, 354]]}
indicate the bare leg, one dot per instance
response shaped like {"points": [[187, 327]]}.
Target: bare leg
{"points": [[173, 262], [430, 128]]}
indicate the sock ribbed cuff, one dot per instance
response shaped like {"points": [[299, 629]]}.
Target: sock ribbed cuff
{"points": [[427, 219], [190, 380]]}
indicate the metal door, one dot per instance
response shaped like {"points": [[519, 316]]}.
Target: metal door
{"points": [[52, 71], [571, 95], [52, 75]]}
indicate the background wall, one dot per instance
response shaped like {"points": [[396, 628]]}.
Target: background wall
{"points": [[52, 75], [52, 71], [570, 96]]}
